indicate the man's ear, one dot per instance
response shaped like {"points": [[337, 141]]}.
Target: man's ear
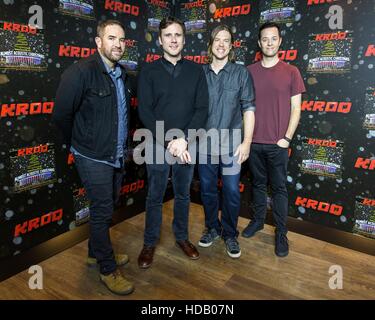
{"points": [[98, 42]]}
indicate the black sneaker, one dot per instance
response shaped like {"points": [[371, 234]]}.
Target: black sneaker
{"points": [[208, 237], [252, 229], [233, 247], [281, 245]]}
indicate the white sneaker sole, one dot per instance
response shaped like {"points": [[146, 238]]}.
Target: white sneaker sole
{"points": [[234, 255], [205, 245]]}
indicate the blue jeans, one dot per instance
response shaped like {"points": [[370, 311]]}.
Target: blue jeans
{"points": [[102, 183], [208, 175], [269, 162], [158, 174]]}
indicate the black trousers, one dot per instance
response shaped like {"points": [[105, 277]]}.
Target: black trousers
{"points": [[158, 174], [268, 163]]}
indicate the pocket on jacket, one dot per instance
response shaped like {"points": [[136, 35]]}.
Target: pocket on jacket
{"points": [[100, 92]]}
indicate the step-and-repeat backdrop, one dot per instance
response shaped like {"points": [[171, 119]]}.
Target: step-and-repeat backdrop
{"points": [[331, 169]]}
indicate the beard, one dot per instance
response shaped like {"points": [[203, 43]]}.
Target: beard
{"points": [[111, 55]]}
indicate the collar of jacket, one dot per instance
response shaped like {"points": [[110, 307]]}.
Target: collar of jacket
{"points": [[102, 67], [226, 68]]}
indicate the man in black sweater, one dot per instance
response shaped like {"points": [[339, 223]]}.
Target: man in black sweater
{"points": [[172, 90]]}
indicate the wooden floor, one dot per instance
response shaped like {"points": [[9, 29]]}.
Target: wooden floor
{"points": [[258, 274]]}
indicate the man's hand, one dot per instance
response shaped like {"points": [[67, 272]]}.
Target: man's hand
{"points": [[177, 147], [242, 152], [185, 157], [282, 143]]}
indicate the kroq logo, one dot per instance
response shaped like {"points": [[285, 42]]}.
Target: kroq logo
{"points": [[327, 106], [196, 4], [331, 36], [72, 51], [10, 26], [43, 148], [368, 202], [313, 2], [121, 7], [132, 187], [38, 222], [70, 159], [25, 109], [363, 163], [232, 11], [322, 143], [159, 3], [152, 57], [197, 59], [307, 203], [370, 52]]}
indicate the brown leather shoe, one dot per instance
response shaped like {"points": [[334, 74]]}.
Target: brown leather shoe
{"points": [[145, 257], [188, 248]]}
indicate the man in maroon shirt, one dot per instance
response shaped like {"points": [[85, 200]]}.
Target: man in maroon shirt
{"points": [[278, 89]]}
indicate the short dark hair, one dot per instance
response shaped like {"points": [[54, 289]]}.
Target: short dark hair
{"points": [[166, 22], [104, 23], [269, 25], [222, 27]]}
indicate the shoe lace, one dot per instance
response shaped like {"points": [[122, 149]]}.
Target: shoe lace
{"points": [[116, 274], [206, 235], [232, 244]]}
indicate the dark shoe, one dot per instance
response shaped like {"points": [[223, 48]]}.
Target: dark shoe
{"points": [[121, 259], [281, 245], [116, 283], [208, 238], [146, 256], [188, 248], [233, 247], [251, 229]]}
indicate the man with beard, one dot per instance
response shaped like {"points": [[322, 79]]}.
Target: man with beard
{"points": [[171, 91], [91, 109], [278, 89]]}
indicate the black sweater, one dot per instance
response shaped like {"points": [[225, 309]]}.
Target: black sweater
{"points": [[180, 99]]}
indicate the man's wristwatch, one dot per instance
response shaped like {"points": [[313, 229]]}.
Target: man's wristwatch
{"points": [[287, 139]]}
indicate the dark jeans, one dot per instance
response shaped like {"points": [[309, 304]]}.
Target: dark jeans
{"points": [[269, 162], [208, 176], [102, 183], [158, 175]]}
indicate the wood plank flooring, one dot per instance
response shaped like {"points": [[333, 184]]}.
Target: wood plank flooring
{"points": [[258, 274]]}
